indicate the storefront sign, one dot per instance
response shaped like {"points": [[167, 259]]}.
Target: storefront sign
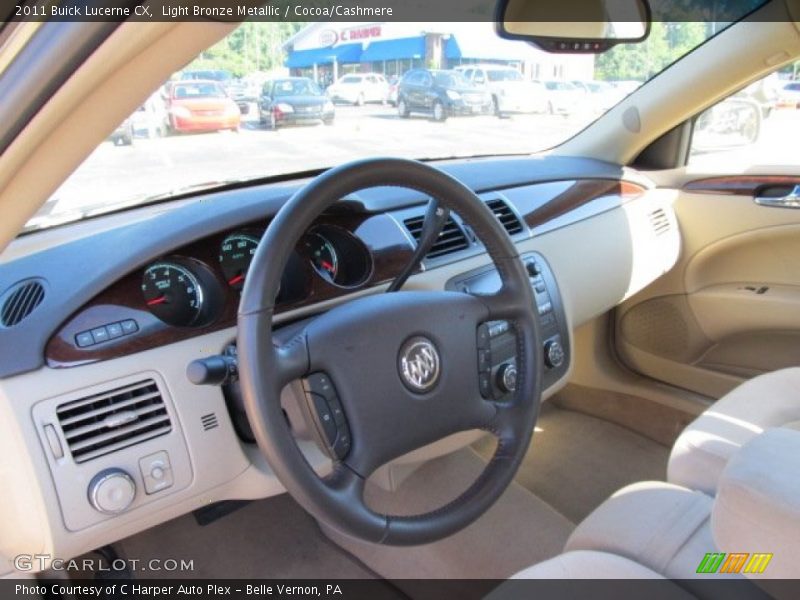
{"points": [[328, 37]]}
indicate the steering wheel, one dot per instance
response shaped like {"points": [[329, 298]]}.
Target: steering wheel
{"points": [[404, 365]]}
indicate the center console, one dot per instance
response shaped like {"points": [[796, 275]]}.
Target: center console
{"points": [[497, 364]]}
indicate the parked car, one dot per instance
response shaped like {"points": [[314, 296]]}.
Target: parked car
{"points": [[242, 93], [293, 100], [201, 105], [736, 121], [601, 94], [764, 92], [221, 76], [789, 95], [509, 89], [563, 97], [123, 134], [441, 94], [359, 88], [391, 95], [151, 119]]}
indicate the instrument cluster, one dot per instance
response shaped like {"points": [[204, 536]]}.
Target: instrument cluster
{"points": [[183, 291]]}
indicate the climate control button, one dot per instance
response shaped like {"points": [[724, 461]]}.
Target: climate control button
{"points": [[553, 354], [112, 491]]}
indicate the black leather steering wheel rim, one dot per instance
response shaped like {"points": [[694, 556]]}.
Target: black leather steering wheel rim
{"points": [[446, 317]]}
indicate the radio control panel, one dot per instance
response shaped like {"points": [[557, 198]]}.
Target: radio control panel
{"points": [[497, 365]]}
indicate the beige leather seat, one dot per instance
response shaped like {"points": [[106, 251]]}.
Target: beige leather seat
{"points": [[707, 444], [661, 530]]}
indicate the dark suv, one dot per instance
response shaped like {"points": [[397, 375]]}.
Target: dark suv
{"points": [[441, 94]]}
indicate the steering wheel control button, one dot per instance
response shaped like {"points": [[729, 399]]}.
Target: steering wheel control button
{"points": [[156, 472], [485, 384], [419, 364], [111, 491], [507, 378], [325, 417], [483, 337], [484, 360], [329, 413], [554, 354], [114, 330], [533, 268]]}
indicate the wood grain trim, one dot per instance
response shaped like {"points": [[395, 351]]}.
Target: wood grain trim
{"points": [[581, 192], [389, 249], [739, 185]]}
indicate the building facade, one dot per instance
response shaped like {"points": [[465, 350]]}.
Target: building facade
{"points": [[326, 51]]}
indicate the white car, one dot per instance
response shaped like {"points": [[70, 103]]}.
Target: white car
{"points": [[510, 91], [359, 88], [563, 97], [789, 95]]}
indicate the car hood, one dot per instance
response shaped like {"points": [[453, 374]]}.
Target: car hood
{"points": [[301, 100], [202, 103]]}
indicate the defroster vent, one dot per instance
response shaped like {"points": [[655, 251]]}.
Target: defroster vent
{"points": [[659, 221], [20, 301], [106, 422]]}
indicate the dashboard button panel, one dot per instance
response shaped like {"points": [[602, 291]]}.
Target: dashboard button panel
{"points": [[105, 333]]}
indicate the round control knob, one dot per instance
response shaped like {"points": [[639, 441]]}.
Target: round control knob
{"points": [[111, 491], [507, 377], [553, 354]]}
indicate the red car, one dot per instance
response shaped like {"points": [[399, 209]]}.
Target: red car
{"points": [[201, 106]]}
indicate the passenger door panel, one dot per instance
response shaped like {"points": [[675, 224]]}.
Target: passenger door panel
{"points": [[730, 309]]}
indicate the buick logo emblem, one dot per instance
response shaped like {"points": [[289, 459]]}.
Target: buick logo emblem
{"points": [[418, 363]]}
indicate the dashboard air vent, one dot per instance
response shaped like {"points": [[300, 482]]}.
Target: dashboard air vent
{"points": [[106, 422], [659, 221], [505, 215], [452, 238], [20, 302]]}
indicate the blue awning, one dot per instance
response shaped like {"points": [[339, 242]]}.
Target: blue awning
{"points": [[346, 53], [410, 47]]}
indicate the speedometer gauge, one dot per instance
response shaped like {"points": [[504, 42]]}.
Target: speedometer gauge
{"points": [[235, 256], [172, 293], [323, 255]]}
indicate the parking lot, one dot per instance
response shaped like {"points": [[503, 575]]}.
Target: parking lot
{"points": [[155, 166]]}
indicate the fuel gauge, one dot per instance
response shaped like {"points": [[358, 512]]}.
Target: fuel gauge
{"points": [[323, 255]]}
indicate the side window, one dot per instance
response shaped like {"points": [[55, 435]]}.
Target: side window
{"points": [[480, 76], [468, 74], [755, 126]]}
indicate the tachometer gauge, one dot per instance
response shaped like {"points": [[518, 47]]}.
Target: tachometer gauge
{"points": [[172, 293], [235, 256], [323, 256]]}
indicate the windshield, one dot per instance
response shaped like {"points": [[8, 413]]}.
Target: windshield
{"points": [[296, 87], [190, 139], [504, 75], [453, 79]]}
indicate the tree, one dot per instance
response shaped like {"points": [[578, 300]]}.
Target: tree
{"points": [[666, 43], [253, 46]]}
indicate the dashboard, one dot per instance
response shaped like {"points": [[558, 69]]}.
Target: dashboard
{"points": [[125, 302]]}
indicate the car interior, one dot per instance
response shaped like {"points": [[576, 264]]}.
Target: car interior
{"points": [[574, 363]]}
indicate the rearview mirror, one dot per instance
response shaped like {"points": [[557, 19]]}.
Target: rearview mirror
{"points": [[585, 26]]}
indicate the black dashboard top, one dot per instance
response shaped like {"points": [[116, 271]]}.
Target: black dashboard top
{"points": [[76, 271]]}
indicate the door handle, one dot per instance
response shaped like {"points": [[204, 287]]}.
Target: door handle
{"points": [[791, 200]]}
